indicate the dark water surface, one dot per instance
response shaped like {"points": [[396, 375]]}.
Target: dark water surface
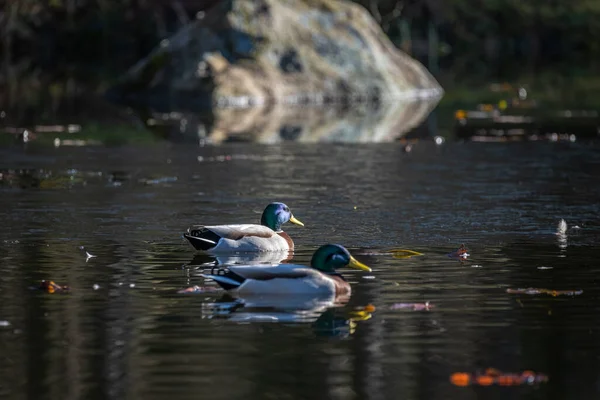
{"points": [[124, 332]]}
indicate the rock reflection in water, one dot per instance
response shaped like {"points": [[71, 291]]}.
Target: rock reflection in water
{"points": [[383, 122]]}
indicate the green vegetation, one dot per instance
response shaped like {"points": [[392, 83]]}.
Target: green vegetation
{"points": [[120, 32], [533, 30], [90, 134]]}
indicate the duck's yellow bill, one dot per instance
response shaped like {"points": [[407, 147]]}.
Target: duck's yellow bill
{"points": [[293, 220], [354, 263]]}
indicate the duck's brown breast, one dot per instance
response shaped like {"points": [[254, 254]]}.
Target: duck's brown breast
{"points": [[288, 239], [341, 286]]}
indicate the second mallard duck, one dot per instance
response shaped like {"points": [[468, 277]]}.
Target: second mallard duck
{"points": [[268, 236], [320, 278]]}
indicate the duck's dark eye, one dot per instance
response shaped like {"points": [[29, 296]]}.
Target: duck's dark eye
{"points": [[286, 209]]}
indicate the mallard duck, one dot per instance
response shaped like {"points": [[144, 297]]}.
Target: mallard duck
{"points": [[267, 236], [320, 278]]}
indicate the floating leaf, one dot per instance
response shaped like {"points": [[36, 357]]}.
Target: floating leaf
{"points": [[412, 306], [199, 289], [492, 376], [461, 253], [362, 313], [551, 292], [561, 229], [404, 253], [159, 180], [51, 287], [460, 379], [369, 308]]}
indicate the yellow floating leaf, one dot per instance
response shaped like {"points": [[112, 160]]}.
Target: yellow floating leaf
{"points": [[404, 253]]}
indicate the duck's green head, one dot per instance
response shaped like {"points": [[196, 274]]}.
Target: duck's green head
{"points": [[277, 214], [329, 257]]}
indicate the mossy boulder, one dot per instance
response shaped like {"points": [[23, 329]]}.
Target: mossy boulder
{"points": [[256, 52]]}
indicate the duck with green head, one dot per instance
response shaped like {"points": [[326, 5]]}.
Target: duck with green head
{"points": [[321, 278], [268, 236]]}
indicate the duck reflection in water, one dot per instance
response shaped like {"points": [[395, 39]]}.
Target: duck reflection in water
{"points": [[206, 261], [327, 317]]}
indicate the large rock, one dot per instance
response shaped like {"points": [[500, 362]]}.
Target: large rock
{"points": [[252, 52]]}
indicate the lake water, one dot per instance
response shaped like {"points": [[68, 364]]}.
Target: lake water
{"points": [[124, 331]]}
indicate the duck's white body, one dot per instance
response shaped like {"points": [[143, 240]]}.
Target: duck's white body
{"points": [[288, 279], [311, 283], [217, 239]]}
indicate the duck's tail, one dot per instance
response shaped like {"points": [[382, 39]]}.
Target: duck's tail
{"points": [[202, 238], [228, 281]]}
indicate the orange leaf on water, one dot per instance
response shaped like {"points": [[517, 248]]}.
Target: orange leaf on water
{"points": [[493, 376], [484, 380], [460, 379], [51, 287]]}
